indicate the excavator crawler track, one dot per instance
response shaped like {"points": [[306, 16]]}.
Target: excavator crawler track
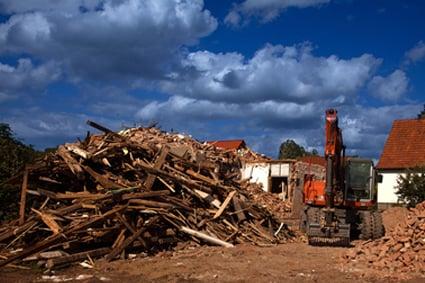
{"points": [[333, 242]]}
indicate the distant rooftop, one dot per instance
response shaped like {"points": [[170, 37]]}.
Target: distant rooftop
{"points": [[405, 146], [229, 144]]}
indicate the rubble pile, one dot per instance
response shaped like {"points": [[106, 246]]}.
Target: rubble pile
{"points": [[401, 251], [272, 202], [139, 190]]}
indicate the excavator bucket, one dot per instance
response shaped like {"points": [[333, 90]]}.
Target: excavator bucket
{"points": [[319, 235]]}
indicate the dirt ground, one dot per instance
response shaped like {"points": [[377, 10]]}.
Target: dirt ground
{"points": [[293, 262]]}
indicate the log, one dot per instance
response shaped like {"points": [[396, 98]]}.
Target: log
{"points": [[206, 237]]}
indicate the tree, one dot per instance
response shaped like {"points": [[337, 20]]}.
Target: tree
{"points": [[289, 149], [411, 187], [14, 155]]}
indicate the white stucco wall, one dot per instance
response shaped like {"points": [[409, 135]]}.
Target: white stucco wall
{"points": [[386, 189], [257, 173]]}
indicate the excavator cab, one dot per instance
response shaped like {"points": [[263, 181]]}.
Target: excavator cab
{"points": [[360, 182]]}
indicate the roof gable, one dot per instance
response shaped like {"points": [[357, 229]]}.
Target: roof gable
{"points": [[405, 145]]}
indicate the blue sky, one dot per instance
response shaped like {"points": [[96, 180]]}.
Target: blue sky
{"points": [[263, 71]]}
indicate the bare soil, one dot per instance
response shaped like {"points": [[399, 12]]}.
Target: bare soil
{"points": [[294, 262]]}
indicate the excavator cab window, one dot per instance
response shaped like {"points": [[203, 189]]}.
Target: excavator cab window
{"points": [[359, 179]]}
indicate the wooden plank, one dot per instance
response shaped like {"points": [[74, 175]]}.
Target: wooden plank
{"points": [[151, 203], [215, 202], [158, 164], [145, 194], [206, 237], [23, 201], [224, 205]]}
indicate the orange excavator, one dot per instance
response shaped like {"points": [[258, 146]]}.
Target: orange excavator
{"points": [[343, 205]]}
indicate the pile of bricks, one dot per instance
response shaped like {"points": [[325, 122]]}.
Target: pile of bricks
{"points": [[401, 251]]}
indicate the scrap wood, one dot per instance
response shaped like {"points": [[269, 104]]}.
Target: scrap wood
{"points": [[146, 197], [67, 259]]}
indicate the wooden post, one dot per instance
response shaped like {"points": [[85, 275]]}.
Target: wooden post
{"points": [[23, 197]]}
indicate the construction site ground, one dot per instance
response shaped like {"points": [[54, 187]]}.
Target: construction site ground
{"points": [[292, 262]]}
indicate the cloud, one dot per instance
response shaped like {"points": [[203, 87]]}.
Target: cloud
{"points": [[107, 39], [278, 73], [416, 54], [9, 7], [390, 88], [25, 77], [266, 10], [50, 128]]}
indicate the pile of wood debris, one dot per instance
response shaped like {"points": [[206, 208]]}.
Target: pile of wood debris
{"points": [[139, 190], [401, 251], [272, 202]]}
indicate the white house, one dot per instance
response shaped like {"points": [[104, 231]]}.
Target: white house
{"points": [[404, 149]]}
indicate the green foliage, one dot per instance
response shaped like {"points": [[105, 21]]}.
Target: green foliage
{"points": [[14, 155], [289, 149], [411, 188]]}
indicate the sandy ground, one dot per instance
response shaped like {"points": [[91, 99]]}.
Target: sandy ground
{"points": [[294, 262]]}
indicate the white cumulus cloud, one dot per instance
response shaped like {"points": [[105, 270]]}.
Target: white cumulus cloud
{"points": [[266, 10], [390, 88], [107, 39], [275, 72], [416, 54]]}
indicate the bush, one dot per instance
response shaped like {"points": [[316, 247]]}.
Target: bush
{"points": [[411, 188]]}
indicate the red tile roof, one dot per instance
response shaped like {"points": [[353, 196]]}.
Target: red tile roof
{"points": [[229, 144], [405, 146], [314, 159]]}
